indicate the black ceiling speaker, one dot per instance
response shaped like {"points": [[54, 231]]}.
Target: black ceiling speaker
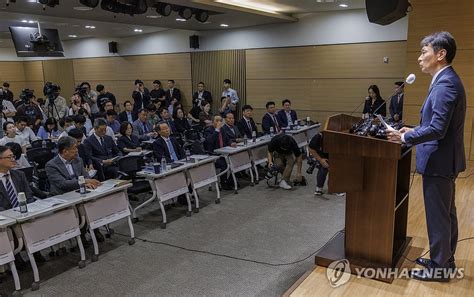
{"points": [[387, 11], [194, 41], [201, 15], [50, 3], [130, 7], [163, 9], [185, 12], [90, 3]]}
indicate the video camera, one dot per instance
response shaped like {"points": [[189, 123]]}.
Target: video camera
{"points": [[312, 163], [272, 172], [26, 95], [51, 92], [81, 90]]}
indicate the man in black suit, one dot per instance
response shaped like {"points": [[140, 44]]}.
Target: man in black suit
{"points": [[286, 116], [166, 146], [246, 124], [270, 120], [396, 102], [166, 117], [13, 181], [173, 95], [102, 150], [78, 135], [201, 96], [230, 130], [7, 92], [128, 115], [140, 95]]}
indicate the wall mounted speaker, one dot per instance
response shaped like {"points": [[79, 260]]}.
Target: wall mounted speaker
{"points": [[194, 41], [113, 47], [387, 11]]}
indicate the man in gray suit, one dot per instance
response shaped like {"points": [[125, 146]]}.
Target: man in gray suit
{"points": [[64, 170], [142, 128], [12, 181]]}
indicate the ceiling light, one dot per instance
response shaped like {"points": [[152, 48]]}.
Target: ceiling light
{"points": [[185, 12], [343, 5], [181, 20], [251, 5], [72, 36], [82, 8], [90, 27], [153, 16], [202, 15], [90, 3], [24, 21], [137, 30], [224, 25], [31, 22]]}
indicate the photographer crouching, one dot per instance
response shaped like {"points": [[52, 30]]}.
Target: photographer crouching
{"points": [[284, 152]]}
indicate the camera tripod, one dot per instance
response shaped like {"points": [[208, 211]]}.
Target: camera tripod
{"points": [[52, 107]]}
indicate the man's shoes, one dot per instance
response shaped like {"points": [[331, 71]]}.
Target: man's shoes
{"points": [[318, 193], [99, 236], [432, 274], [284, 185], [427, 263]]}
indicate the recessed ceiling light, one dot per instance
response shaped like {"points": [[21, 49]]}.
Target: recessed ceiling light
{"points": [[343, 5], [90, 27], [24, 21], [32, 1], [224, 25], [72, 36], [207, 22], [82, 8], [153, 16], [31, 22], [138, 30], [181, 20]]}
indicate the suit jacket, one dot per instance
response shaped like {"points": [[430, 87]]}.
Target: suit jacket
{"points": [[211, 142], [231, 133], [123, 116], [206, 95], [244, 128], [59, 178], [176, 94], [161, 149], [439, 138], [396, 107], [130, 143], [140, 99], [98, 152], [21, 185], [138, 129], [375, 107], [267, 123], [283, 121], [172, 126], [83, 154]]}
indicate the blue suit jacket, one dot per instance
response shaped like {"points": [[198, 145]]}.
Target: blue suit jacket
{"points": [[440, 135], [282, 120]]}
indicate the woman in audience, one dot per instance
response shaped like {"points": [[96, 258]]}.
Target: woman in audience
{"points": [[49, 130], [193, 114], [374, 104], [21, 161], [180, 121], [77, 102], [205, 117], [9, 129], [128, 142]]}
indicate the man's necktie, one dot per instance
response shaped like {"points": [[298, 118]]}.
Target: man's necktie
{"points": [[171, 150], [72, 175], [221, 141], [249, 125], [277, 128], [11, 192], [145, 128], [102, 143]]}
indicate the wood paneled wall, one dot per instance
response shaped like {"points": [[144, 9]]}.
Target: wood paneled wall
{"points": [[322, 80], [457, 17], [215, 66], [22, 75], [60, 72]]}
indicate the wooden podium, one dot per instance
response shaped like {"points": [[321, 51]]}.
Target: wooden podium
{"points": [[375, 174]]}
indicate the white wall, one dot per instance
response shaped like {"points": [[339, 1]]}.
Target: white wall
{"points": [[350, 26]]}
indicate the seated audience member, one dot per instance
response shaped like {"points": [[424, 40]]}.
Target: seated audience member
{"points": [[201, 95], [247, 125], [127, 141], [79, 136], [25, 132], [270, 120], [166, 117], [158, 94], [78, 102], [80, 123], [102, 150], [396, 102], [226, 106], [180, 121], [108, 106], [128, 115], [7, 92], [205, 117], [374, 104], [21, 161], [153, 117], [108, 130], [166, 146], [13, 181], [284, 151], [103, 96], [9, 110], [49, 130], [31, 111], [112, 122], [316, 151], [9, 129], [230, 130], [64, 170], [67, 124], [173, 94], [193, 115], [286, 116], [141, 96], [142, 128]]}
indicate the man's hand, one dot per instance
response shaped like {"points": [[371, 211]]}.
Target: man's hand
{"points": [[324, 163], [92, 183], [107, 162], [395, 136], [270, 164], [406, 129], [396, 117], [233, 144], [152, 134]]}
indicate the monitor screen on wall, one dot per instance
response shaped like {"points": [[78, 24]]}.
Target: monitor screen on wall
{"points": [[29, 42]]}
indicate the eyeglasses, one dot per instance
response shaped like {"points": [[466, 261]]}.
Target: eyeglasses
{"points": [[12, 158]]}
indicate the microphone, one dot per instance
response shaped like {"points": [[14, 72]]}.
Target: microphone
{"points": [[409, 80], [366, 98]]}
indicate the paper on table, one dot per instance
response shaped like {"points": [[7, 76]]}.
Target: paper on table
{"points": [[199, 157], [53, 201], [387, 126], [2, 218], [36, 206], [135, 154]]}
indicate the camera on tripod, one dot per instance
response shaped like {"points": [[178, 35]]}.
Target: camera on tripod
{"points": [[51, 91], [26, 95], [81, 90]]}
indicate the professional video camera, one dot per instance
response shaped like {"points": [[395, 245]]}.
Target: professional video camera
{"points": [[82, 91], [26, 95], [312, 163], [51, 92], [272, 172]]}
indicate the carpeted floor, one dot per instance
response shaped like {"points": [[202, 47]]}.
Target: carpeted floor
{"points": [[260, 224]]}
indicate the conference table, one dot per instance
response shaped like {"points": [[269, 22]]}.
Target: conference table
{"points": [[7, 253], [196, 173]]}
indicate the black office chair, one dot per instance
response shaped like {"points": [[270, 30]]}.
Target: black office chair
{"points": [[47, 144], [39, 157], [128, 167]]}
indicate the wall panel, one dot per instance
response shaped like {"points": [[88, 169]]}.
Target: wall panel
{"points": [[60, 72]]}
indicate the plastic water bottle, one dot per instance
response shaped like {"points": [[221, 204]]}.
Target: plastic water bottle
{"points": [[82, 185], [188, 154], [163, 164], [308, 119], [43, 144], [254, 136], [22, 201], [297, 124], [245, 139], [272, 131]]}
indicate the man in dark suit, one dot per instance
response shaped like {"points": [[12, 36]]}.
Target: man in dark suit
{"points": [[166, 117], [201, 96], [230, 130], [78, 135], [440, 157], [64, 170], [7, 92], [286, 116], [166, 146], [140, 95], [270, 120], [173, 94], [142, 128], [102, 150], [128, 115], [13, 181], [396, 102], [246, 124]]}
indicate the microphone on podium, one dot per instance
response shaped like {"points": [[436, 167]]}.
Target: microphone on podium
{"points": [[409, 80]]}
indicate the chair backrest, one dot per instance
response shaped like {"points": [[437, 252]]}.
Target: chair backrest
{"points": [[40, 156], [130, 164], [39, 144], [28, 171], [196, 148], [192, 135]]}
